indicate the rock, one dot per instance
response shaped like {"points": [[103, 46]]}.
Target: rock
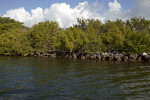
{"points": [[78, 54], [51, 51], [98, 56], [74, 56], [118, 55], [48, 54], [82, 57], [87, 55], [139, 59], [145, 58], [103, 58], [125, 58], [145, 54], [119, 59], [133, 57], [93, 56], [111, 54], [38, 53], [70, 56], [54, 55], [111, 58], [107, 58], [104, 55], [97, 53], [44, 54], [114, 52], [66, 56]]}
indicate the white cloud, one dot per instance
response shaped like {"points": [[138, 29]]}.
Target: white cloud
{"points": [[60, 12], [22, 15], [36, 16], [114, 6], [19, 14], [66, 16], [114, 11]]}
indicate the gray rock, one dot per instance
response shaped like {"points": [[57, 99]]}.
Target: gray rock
{"points": [[44, 54], [119, 59], [125, 58], [54, 55], [111, 54], [118, 55], [48, 54], [139, 59], [38, 53], [87, 55], [111, 58], [74, 56], [104, 55], [133, 57], [82, 57], [98, 56], [93, 56]]}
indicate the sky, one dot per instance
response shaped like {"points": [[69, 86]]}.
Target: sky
{"points": [[65, 12]]}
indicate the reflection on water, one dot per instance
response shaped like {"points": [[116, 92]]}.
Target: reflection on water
{"points": [[67, 79]]}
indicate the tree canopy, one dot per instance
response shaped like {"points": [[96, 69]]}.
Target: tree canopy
{"points": [[87, 35]]}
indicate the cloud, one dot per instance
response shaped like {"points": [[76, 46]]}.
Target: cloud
{"points": [[22, 15], [114, 6], [66, 16], [114, 11], [141, 8], [60, 12], [19, 14]]}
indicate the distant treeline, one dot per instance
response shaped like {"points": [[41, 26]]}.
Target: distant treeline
{"points": [[88, 35]]}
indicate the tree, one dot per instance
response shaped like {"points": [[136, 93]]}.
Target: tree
{"points": [[138, 42], [139, 24], [72, 39], [15, 42], [113, 37], [7, 24], [44, 35]]}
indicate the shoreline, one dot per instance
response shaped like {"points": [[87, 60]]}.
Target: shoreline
{"points": [[106, 56]]}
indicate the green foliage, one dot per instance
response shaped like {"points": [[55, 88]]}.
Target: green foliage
{"points": [[7, 24], [87, 35], [14, 38], [92, 29], [139, 24], [15, 42], [113, 36], [44, 35], [72, 39], [138, 42]]}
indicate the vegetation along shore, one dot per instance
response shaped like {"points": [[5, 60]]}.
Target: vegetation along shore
{"points": [[87, 39]]}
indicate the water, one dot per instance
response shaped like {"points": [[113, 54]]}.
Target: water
{"points": [[37, 78]]}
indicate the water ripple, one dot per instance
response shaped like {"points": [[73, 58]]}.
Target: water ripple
{"points": [[67, 79]]}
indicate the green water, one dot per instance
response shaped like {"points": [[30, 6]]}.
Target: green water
{"points": [[38, 78]]}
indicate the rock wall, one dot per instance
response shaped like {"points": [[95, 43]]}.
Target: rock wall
{"points": [[111, 56]]}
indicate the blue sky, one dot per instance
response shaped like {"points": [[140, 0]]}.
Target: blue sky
{"points": [[66, 11], [32, 4]]}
